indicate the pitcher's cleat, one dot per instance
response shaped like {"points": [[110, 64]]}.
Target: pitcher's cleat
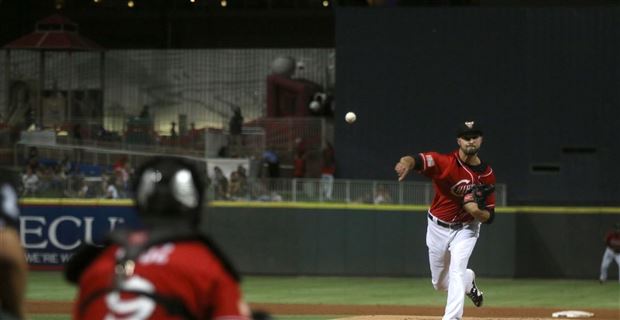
{"points": [[475, 295]]}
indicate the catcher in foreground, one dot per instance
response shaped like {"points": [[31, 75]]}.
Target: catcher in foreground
{"points": [[168, 269], [464, 198]]}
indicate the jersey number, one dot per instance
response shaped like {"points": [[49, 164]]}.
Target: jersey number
{"points": [[137, 308]]}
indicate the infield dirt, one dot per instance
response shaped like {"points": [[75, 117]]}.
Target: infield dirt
{"points": [[370, 312]]}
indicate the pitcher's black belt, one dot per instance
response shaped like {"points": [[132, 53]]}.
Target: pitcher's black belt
{"points": [[453, 226]]}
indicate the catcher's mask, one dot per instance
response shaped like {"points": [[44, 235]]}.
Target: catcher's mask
{"points": [[168, 190]]}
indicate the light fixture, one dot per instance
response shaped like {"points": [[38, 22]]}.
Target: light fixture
{"points": [[325, 3], [130, 3], [223, 3]]}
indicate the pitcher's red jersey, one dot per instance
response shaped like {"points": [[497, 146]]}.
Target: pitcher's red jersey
{"points": [[188, 271], [452, 178]]}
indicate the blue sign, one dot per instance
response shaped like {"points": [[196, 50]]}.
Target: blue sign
{"points": [[51, 232]]}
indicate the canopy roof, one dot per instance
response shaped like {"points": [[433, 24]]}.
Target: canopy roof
{"points": [[55, 32]]}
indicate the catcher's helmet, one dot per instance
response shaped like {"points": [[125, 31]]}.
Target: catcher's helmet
{"points": [[168, 190]]}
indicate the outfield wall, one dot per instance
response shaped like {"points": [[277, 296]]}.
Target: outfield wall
{"points": [[367, 240], [342, 239]]}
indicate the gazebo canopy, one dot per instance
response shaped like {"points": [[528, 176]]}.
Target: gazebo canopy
{"points": [[55, 32]]}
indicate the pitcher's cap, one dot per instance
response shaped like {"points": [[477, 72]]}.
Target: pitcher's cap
{"points": [[468, 128]]}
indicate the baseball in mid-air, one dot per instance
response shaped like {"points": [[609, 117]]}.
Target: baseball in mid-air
{"points": [[350, 117]]}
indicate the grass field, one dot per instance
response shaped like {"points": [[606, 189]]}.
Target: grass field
{"points": [[569, 294]]}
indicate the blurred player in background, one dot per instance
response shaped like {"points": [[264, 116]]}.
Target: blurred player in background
{"points": [[165, 270], [13, 266], [612, 252], [463, 199]]}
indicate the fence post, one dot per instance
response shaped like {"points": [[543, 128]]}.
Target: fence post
{"points": [[348, 191], [427, 193], [323, 138], [294, 190], [400, 192], [374, 191]]}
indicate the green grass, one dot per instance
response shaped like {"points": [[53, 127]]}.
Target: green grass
{"points": [[48, 285], [379, 291], [49, 317], [419, 292]]}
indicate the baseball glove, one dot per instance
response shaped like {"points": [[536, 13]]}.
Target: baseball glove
{"points": [[478, 194]]}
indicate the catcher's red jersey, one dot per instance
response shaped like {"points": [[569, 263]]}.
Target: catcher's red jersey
{"points": [[452, 178], [188, 271]]}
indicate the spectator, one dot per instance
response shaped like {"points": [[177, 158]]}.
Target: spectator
{"points": [[13, 266], [46, 177], [58, 181], [109, 188], [119, 164], [83, 189], [382, 195], [299, 165], [166, 269], [220, 184], [328, 168], [30, 182], [65, 165], [270, 158], [173, 132], [300, 146], [33, 158], [234, 186], [243, 178], [235, 128], [122, 171]]}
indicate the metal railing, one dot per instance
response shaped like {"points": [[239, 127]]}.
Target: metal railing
{"points": [[341, 191]]}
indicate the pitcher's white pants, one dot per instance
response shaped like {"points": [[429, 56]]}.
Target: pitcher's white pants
{"points": [[608, 257], [448, 254]]}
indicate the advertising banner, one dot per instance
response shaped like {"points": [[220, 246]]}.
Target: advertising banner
{"points": [[52, 230]]}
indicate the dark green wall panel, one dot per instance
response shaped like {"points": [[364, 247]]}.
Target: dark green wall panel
{"points": [[392, 243]]}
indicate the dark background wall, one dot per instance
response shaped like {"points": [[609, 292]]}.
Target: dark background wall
{"points": [[289, 241], [542, 81]]}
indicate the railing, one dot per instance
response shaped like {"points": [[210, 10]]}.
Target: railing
{"points": [[347, 191], [293, 190]]}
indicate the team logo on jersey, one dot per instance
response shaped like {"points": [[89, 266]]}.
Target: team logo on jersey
{"points": [[460, 188], [430, 162], [469, 124]]}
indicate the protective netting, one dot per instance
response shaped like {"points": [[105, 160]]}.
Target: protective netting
{"points": [[182, 86]]}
